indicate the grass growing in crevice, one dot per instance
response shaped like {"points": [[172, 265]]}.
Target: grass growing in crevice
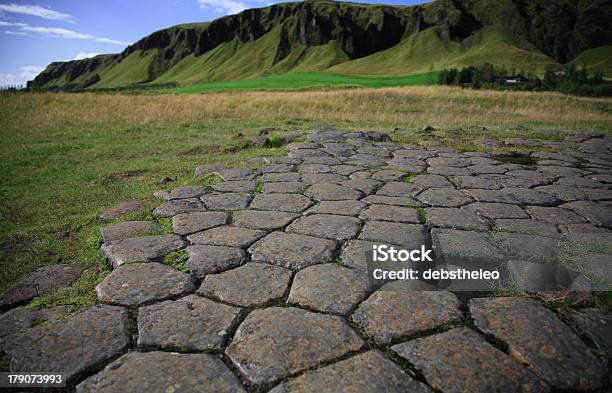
{"points": [[4, 363], [274, 141], [420, 213], [340, 262], [177, 260]]}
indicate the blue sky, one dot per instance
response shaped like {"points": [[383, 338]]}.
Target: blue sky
{"points": [[36, 33]]}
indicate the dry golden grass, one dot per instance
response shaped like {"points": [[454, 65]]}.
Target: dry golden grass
{"points": [[393, 107]]}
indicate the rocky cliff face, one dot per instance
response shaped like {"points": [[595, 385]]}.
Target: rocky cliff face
{"points": [[359, 29]]}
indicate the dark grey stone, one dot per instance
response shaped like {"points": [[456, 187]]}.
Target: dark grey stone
{"points": [[496, 210], [273, 343], [346, 208], [147, 248], [444, 197], [266, 220], [74, 346], [454, 218], [293, 203], [191, 323], [407, 235], [330, 226], [390, 213], [178, 206], [122, 209], [466, 247], [204, 260], [250, 285], [226, 200], [235, 186], [228, 236], [127, 229], [332, 192], [137, 284], [292, 251]]}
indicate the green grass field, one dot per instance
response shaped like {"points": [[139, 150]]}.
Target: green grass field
{"points": [[307, 80]]}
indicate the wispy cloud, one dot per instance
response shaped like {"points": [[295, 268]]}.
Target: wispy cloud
{"points": [[9, 32], [84, 55], [224, 6], [34, 10], [26, 73], [59, 32]]}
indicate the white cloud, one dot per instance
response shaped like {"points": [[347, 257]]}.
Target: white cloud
{"points": [[223, 6], [34, 10], [85, 55], [59, 32], [27, 73], [14, 32]]}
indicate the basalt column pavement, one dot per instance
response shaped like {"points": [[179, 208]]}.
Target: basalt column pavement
{"points": [[276, 296]]}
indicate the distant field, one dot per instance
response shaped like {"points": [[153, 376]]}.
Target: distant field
{"points": [[306, 80], [65, 157]]}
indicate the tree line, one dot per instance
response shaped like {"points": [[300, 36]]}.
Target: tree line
{"points": [[570, 80]]}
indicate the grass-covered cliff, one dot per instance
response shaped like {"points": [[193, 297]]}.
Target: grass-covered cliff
{"points": [[358, 39]]}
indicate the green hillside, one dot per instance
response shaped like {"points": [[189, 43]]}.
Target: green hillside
{"points": [[354, 39]]}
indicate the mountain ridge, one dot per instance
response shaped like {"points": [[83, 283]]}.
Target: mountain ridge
{"points": [[351, 38]]}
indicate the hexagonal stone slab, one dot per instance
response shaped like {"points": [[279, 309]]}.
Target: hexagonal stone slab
{"points": [[399, 189], [330, 226], [367, 186], [250, 285], [332, 192], [530, 196], [454, 218], [533, 227], [554, 215], [595, 323], [137, 284], [187, 223], [345, 208], [147, 248], [266, 220], [162, 372], [396, 310], [283, 177], [460, 361], [357, 254], [233, 174], [275, 342], [314, 178], [284, 187], [205, 259], [364, 373], [182, 192], [407, 235], [546, 277], [191, 323], [292, 203], [390, 213], [430, 181], [466, 247], [496, 210], [45, 280], [127, 229], [329, 288], [528, 247], [537, 337], [228, 236], [122, 209], [444, 197], [178, 206], [226, 200], [394, 201], [597, 213], [235, 186], [292, 251], [75, 345], [19, 319]]}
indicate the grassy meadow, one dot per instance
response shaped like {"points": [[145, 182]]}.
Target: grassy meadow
{"points": [[65, 157]]}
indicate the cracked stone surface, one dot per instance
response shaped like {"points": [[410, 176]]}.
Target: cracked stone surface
{"points": [[147, 248], [396, 311], [363, 373], [44, 281], [86, 339], [228, 236], [144, 283], [127, 229], [536, 336], [329, 288], [163, 372], [293, 251], [187, 223], [205, 259], [460, 361], [292, 203], [264, 220], [287, 244], [328, 226], [191, 323], [250, 285], [275, 342]]}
